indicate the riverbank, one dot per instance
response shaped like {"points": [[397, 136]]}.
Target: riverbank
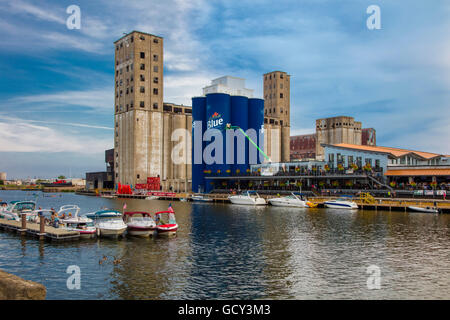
{"points": [[13, 287]]}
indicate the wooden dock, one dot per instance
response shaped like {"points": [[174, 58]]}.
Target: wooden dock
{"points": [[34, 229]]}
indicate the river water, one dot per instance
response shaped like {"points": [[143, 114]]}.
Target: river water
{"points": [[225, 251]]}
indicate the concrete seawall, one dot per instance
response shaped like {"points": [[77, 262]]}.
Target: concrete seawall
{"points": [[15, 288]]}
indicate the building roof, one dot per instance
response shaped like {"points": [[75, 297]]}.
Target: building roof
{"points": [[418, 172], [135, 31], [394, 152]]}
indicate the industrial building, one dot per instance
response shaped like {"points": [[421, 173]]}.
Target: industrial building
{"points": [[333, 130], [211, 115], [144, 125], [277, 106]]}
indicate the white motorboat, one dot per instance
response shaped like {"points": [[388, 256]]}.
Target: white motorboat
{"points": [[293, 200], [424, 209], [139, 223], [152, 198], [248, 198], [200, 198], [68, 216], [111, 227], [344, 202], [109, 223], [16, 208]]}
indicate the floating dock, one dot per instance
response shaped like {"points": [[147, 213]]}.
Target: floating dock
{"points": [[35, 230]]}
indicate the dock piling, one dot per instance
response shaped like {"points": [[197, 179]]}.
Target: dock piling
{"points": [[41, 227]]}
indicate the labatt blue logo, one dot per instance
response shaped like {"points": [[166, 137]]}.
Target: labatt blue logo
{"points": [[215, 121]]}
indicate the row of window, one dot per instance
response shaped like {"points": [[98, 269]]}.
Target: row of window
{"points": [[131, 66], [119, 93], [274, 76], [274, 86], [272, 96], [119, 83], [141, 37], [340, 159], [131, 106]]}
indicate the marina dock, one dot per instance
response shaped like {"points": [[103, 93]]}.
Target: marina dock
{"points": [[35, 230]]}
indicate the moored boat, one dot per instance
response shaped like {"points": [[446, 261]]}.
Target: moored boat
{"points": [[293, 200], [247, 198], [71, 221], [200, 198], [344, 202], [109, 223], [424, 209], [163, 227], [139, 223], [16, 208]]}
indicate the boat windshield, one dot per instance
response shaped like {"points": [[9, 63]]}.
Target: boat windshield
{"points": [[24, 206]]}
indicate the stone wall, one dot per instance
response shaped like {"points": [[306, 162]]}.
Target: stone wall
{"points": [[15, 288]]}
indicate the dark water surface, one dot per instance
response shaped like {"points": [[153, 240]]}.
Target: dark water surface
{"points": [[225, 251]]}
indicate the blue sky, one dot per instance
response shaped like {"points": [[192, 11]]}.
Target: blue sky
{"points": [[57, 85]]}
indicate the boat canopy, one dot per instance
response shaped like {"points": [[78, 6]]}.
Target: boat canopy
{"points": [[143, 213]]}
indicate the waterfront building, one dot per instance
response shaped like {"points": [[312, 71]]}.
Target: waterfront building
{"points": [[3, 176], [330, 131], [215, 110], [400, 165], [102, 179], [277, 86], [144, 124]]}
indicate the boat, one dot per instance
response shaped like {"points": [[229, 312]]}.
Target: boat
{"points": [[163, 227], [108, 222], [247, 198], [71, 221], [103, 214], [293, 200], [183, 199], [424, 209], [139, 223], [152, 198], [200, 198], [107, 196], [16, 208], [344, 202]]}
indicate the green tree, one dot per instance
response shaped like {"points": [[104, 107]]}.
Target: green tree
{"points": [[62, 177]]}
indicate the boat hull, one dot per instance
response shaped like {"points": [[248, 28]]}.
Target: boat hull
{"points": [[425, 210], [277, 203], [140, 231], [167, 230], [341, 206], [111, 233]]}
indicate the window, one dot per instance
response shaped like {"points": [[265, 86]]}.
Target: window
{"points": [[177, 110], [155, 57], [138, 176], [167, 108], [142, 55], [142, 67], [117, 73], [121, 44], [155, 69], [126, 92], [155, 91], [117, 108], [281, 122], [142, 37], [120, 92], [128, 68], [142, 104], [131, 104], [117, 48], [377, 163], [132, 38], [155, 40], [187, 110], [155, 106], [281, 76], [131, 89], [142, 77], [131, 78], [155, 80], [142, 90]]}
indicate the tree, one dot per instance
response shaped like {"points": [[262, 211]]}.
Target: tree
{"points": [[61, 177]]}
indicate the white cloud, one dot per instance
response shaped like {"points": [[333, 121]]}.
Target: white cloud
{"points": [[96, 99], [26, 137]]}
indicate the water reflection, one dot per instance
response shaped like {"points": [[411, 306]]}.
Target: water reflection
{"points": [[238, 252]]}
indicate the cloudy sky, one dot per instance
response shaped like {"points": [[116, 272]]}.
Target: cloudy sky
{"points": [[57, 84]]}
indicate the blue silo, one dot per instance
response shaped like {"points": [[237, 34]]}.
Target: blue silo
{"points": [[256, 122], [239, 118], [218, 114], [199, 123]]}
